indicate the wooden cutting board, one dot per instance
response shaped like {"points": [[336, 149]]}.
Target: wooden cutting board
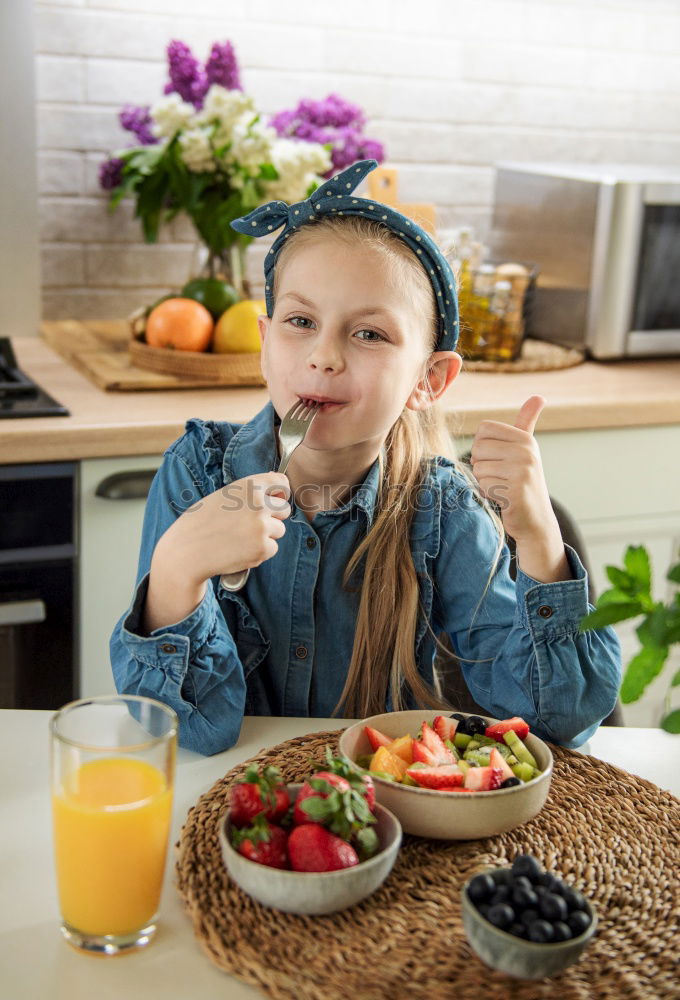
{"points": [[99, 350]]}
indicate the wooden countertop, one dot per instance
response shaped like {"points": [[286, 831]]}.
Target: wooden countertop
{"points": [[590, 395]]}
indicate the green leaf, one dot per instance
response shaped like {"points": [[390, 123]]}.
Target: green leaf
{"points": [[317, 808], [609, 614], [676, 680], [367, 843], [655, 628], [641, 670], [636, 561], [612, 596], [674, 573], [622, 580], [672, 722]]}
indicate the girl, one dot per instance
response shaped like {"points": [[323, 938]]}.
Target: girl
{"points": [[375, 542]]}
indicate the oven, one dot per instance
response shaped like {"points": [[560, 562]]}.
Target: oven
{"points": [[38, 585]]}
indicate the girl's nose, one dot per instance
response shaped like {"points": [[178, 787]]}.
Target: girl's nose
{"points": [[326, 355]]}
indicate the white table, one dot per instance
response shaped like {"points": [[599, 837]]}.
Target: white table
{"points": [[34, 960]]}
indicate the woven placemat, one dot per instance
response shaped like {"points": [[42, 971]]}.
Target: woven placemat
{"points": [[536, 356], [612, 835]]}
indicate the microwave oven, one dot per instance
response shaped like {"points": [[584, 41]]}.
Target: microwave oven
{"points": [[605, 240]]}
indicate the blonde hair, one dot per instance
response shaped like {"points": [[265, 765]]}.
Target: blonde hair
{"points": [[383, 657]]}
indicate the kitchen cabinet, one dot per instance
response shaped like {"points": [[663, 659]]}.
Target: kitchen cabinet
{"points": [[110, 534]]}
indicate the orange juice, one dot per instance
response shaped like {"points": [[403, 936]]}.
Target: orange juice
{"points": [[111, 827]]}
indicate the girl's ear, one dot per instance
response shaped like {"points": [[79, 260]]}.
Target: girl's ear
{"points": [[263, 325], [442, 368]]}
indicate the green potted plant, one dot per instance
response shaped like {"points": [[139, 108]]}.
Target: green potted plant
{"points": [[630, 596]]}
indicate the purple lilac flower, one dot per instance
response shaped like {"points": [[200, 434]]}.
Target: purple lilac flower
{"points": [[332, 120], [138, 121], [222, 67], [111, 173], [187, 77]]}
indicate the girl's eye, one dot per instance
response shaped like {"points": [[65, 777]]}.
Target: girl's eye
{"points": [[301, 319], [373, 336]]}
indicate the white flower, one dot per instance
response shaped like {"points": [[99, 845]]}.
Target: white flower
{"points": [[169, 115], [251, 145], [196, 151], [298, 163], [225, 106]]}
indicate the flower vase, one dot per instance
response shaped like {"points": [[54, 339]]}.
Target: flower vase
{"points": [[230, 266]]}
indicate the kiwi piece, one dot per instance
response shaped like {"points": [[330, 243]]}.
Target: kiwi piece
{"points": [[522, 770], [461, 740], [519, 749]]}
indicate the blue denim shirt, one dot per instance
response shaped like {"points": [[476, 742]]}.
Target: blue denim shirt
{"points": [[282, 645]]}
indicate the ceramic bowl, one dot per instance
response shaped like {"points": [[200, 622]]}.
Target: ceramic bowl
{"points": [[446, 815], [514, 955], [314, 892]]}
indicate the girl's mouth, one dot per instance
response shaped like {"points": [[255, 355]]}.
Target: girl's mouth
{"points": [[324, 405]]}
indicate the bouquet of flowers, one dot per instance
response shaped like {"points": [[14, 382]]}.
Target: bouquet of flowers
{"points": [[202, 149]]}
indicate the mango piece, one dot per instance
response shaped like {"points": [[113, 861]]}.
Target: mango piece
{"points": [[402, 747], [387, 762]]}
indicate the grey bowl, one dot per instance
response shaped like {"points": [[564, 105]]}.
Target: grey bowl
{"points": [[314, 892], [515, 956]]}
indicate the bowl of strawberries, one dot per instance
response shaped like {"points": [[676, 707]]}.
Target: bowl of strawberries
{"points": [[312, 847], [452, 777]]}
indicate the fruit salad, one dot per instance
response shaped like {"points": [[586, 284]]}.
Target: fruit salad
{"points": [[329, 826], [454, 753]]}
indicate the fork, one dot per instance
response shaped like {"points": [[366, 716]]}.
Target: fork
{"points": [[292, 432]]}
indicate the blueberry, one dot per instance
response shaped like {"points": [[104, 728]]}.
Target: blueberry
{"points": [[473, 725], [518, 930], [561, 931], [552, 907], [501, 895], [578, 922], [457, 715], [510, 782], [523, 881], [523, 898], [526, 864], [541, 931], [573, 899], [540, 890], [501, 915], [502, 876], [481, 888], [549, 881], [484, 909], [528, 917]]}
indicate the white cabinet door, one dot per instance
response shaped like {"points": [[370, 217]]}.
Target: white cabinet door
{"points": [[110, 534]]}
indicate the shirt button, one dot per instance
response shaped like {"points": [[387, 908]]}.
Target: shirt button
{"points": [[545, 611], [311, 543], [301, 652], [167, 647]]}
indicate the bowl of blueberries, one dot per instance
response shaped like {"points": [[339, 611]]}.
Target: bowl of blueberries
{"points": [[524, 921]]}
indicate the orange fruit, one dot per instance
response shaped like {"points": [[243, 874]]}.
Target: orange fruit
{"points": [[182, 324]]}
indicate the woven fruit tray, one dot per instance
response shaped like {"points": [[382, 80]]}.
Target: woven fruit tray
{"points": [[613, 836]]}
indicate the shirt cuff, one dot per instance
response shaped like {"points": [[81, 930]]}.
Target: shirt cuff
{"points": [[552, 609], [168, 647]]}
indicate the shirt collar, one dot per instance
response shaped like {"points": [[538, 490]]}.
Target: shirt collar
{"points": [[253, 449]]}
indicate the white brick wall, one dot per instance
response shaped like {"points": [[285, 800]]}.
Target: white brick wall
{"points": [[450, 86]]}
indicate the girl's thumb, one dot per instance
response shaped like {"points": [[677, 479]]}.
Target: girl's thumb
{"points": [[530, 412]]}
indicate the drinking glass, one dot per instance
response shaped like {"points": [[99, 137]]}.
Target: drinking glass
{"points": [[113, 768]]}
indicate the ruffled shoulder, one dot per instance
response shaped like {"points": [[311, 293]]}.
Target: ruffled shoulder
{"points": [[201, 448]]}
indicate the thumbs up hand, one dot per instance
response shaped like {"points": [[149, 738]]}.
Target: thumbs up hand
{"points": [[506, 463]]}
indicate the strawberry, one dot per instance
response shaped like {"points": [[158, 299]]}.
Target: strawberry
{"points": [[362, 784], [445, 728], [483, 779], [260, 793], [341, 804], [376, 738], [319, 786], [262, 842], [497, 759], [436, 745], [517, 724], [312, 848], [423, 755], [442, 777]]}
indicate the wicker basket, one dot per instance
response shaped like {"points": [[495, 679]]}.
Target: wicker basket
{"points": [[215, 369]]}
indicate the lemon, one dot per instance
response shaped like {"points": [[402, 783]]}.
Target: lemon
{"points": [[236, 331]]}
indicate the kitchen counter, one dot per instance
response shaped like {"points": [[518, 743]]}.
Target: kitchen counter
{"points": [[591, 395], [36, 962]]}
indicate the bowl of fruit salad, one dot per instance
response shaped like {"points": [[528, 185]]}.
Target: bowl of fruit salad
{"points": [[313, 847], [458, 777], [524, 921]]}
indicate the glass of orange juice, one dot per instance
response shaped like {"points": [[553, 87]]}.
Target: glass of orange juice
{"points": [[113, 769]]}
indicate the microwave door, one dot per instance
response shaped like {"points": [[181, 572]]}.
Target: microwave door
{"points": [[655, 319]]}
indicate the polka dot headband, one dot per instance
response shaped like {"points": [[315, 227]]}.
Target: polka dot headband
{"points": [[335, 198]]}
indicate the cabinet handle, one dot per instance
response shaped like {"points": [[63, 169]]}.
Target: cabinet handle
{"points": [[22, 612], [132, 485]]}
